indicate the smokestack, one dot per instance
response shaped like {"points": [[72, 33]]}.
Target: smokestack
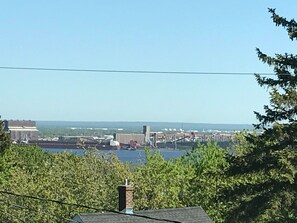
{"points": [[126, 198], [147, 133]]}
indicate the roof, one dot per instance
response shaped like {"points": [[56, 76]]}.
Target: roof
{"points": [[174, 215], [23, 128]]}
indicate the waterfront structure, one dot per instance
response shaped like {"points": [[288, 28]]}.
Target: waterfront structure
{"points": [[127, 138], [133, 139], [21, 130], [147, 133]]}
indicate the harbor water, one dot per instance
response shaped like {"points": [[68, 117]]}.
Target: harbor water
{"points": [[130, 156]]}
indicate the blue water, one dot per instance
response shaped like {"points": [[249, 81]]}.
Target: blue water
{"points": [[130, 156]]}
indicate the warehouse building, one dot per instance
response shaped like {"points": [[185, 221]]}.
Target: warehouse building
{"points": [[21, 130], [134, 138], [127, 138]]}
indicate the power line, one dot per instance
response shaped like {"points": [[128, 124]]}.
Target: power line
{"points": [[49, 200], [138, 71], [13, 205]]}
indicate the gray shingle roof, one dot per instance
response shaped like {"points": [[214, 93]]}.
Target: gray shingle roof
{"points": [[174, 215]]}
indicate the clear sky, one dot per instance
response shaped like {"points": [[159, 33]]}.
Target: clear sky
{"points": [[165, 35]]}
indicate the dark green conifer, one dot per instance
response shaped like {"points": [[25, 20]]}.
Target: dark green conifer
{"points": [[5, 140], [264, 174]]}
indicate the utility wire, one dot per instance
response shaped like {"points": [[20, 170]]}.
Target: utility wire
{"points": [[36, 211], [49, 200], [138, 71], [83, 206]]}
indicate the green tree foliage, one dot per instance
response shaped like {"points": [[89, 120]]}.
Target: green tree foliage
{"points": [[192, 180], [160, 183], [265, 184], [209, 163], [5, 141], [92, 180]]}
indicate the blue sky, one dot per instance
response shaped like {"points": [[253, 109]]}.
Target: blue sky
{"points": [[166, 35]]}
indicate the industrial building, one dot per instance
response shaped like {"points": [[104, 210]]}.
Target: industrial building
{"points": [[127, 138], [134, 138], [21, 130], [147, 133]]}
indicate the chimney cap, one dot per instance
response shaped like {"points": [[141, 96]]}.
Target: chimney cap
{"points": [[127, 183]]}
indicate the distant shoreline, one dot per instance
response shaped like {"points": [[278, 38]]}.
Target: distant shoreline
{"points": [[155, 126]]}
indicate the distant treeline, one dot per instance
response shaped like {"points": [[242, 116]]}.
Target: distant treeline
{"points": [[57, 132], [137, 126]]}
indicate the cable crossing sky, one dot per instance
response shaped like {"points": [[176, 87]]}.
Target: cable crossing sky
{"points": [[138, 71]]}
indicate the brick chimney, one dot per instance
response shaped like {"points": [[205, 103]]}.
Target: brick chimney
{"points": [[126, 198]]}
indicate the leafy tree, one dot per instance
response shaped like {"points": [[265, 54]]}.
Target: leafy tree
{"points": [[209, 163], [161, 183], [5, 140], [192, 180], [264, 175], [91, 180]]}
